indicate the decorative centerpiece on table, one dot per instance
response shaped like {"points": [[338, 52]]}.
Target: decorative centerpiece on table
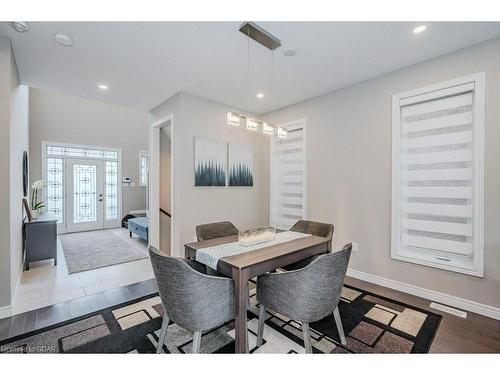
{"points": [[256, 236], [36, 193]]}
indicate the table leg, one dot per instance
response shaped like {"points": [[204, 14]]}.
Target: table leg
{"points": [[241, 278]]}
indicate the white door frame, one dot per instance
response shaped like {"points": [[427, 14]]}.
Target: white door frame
{"points": [[61, 228], [154, 186]]}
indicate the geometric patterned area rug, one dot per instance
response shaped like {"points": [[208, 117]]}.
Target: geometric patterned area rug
{"points": [[372, 324]]}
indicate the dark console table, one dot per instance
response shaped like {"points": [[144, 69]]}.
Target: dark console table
{"points": [[40, 239]]}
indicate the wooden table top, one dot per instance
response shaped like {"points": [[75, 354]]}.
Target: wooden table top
{"points": [[254, 257]]}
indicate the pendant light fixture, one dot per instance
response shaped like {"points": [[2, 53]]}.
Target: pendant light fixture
{"points": [[252, 124], [233, 119], [251, 30], [267, 129]]}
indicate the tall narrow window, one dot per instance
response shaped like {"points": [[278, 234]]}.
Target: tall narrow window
{"points": [[111, 190], [143, 168], [437, 196], [288, 178], [55, 188]]}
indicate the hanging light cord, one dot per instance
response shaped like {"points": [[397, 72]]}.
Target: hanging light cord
{"points": [[272, 85], [248, 73]]}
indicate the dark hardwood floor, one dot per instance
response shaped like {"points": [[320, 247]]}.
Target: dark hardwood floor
{"points": [[476, 334]]}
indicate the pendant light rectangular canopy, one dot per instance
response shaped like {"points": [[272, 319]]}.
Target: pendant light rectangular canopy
{"points": [[260, 35]]}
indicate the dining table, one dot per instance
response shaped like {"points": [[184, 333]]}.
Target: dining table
{"points": [[247, 264]]}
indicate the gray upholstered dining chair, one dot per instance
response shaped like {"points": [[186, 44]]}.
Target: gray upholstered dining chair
{"points": [[190, 298], [316, 229], [305, 295], [215, 230]]}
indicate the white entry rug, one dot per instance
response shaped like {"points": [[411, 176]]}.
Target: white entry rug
{"points": [[89, 250]]}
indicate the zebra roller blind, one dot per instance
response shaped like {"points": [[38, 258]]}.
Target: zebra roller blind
{"points": [[437, 177], [288, 177]]}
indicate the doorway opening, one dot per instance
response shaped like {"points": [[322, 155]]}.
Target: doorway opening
{"points": [[165, 188], [162, 224]]}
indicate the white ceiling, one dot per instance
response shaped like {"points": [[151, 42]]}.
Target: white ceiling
{"points": [[145, 63]]}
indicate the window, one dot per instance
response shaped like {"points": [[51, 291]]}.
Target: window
{"points": [[288, 177], [111, 190], [437, 177], [55, 188], [81, 152], [143, 168]]}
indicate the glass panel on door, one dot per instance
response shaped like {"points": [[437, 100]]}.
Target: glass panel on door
{"points": [[85, 194], [85, 189]]}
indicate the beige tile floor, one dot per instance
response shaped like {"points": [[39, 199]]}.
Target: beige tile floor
{"points": [[45, 285]]}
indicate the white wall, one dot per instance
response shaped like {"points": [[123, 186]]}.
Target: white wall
{"points": [[63, 118], [5, 84], [19, 142], [13, 141], [245, 207], [349, 169]]}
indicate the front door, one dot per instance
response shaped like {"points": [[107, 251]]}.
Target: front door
{"points": [[84, 194]]}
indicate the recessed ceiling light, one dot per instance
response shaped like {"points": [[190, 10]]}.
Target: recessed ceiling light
{"points": [[419, 29], [260, 95], [289, 52], [20, 27], [63, 40], [102, 87]]}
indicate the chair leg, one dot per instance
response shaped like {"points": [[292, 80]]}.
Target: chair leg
{"points": [[196, 342], [340, 328], [260, 331], [163, 333], [307, 338]]}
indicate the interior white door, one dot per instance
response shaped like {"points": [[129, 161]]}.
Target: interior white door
{"points": [[84, 194]]}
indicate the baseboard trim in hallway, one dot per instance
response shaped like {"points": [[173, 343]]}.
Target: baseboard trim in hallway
{"points": [[461, 303], [5, 311]]}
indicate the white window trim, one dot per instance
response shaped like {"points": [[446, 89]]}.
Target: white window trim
{"points": [[476, 267], [304, 166], [61, 228], [141, 154]]}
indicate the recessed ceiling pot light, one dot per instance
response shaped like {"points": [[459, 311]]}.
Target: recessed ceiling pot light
{"points": [[419, 29], [289, 52], [260, 95], [19, 26], [102, 86], [63, 40]]}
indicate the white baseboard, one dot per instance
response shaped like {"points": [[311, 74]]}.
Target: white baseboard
{"points": [[5, 311], [461, 303]]}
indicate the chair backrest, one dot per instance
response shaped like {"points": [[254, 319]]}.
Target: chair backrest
{"points": [[193, 300], [326, 276], [215, 230], [315, 228], [317, 287]]}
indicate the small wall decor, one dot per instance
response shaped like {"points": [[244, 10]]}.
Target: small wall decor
{"points": [[240, 164], [210, 158]]}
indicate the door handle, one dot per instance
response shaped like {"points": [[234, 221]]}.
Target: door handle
{"points": [[100, 200]]}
